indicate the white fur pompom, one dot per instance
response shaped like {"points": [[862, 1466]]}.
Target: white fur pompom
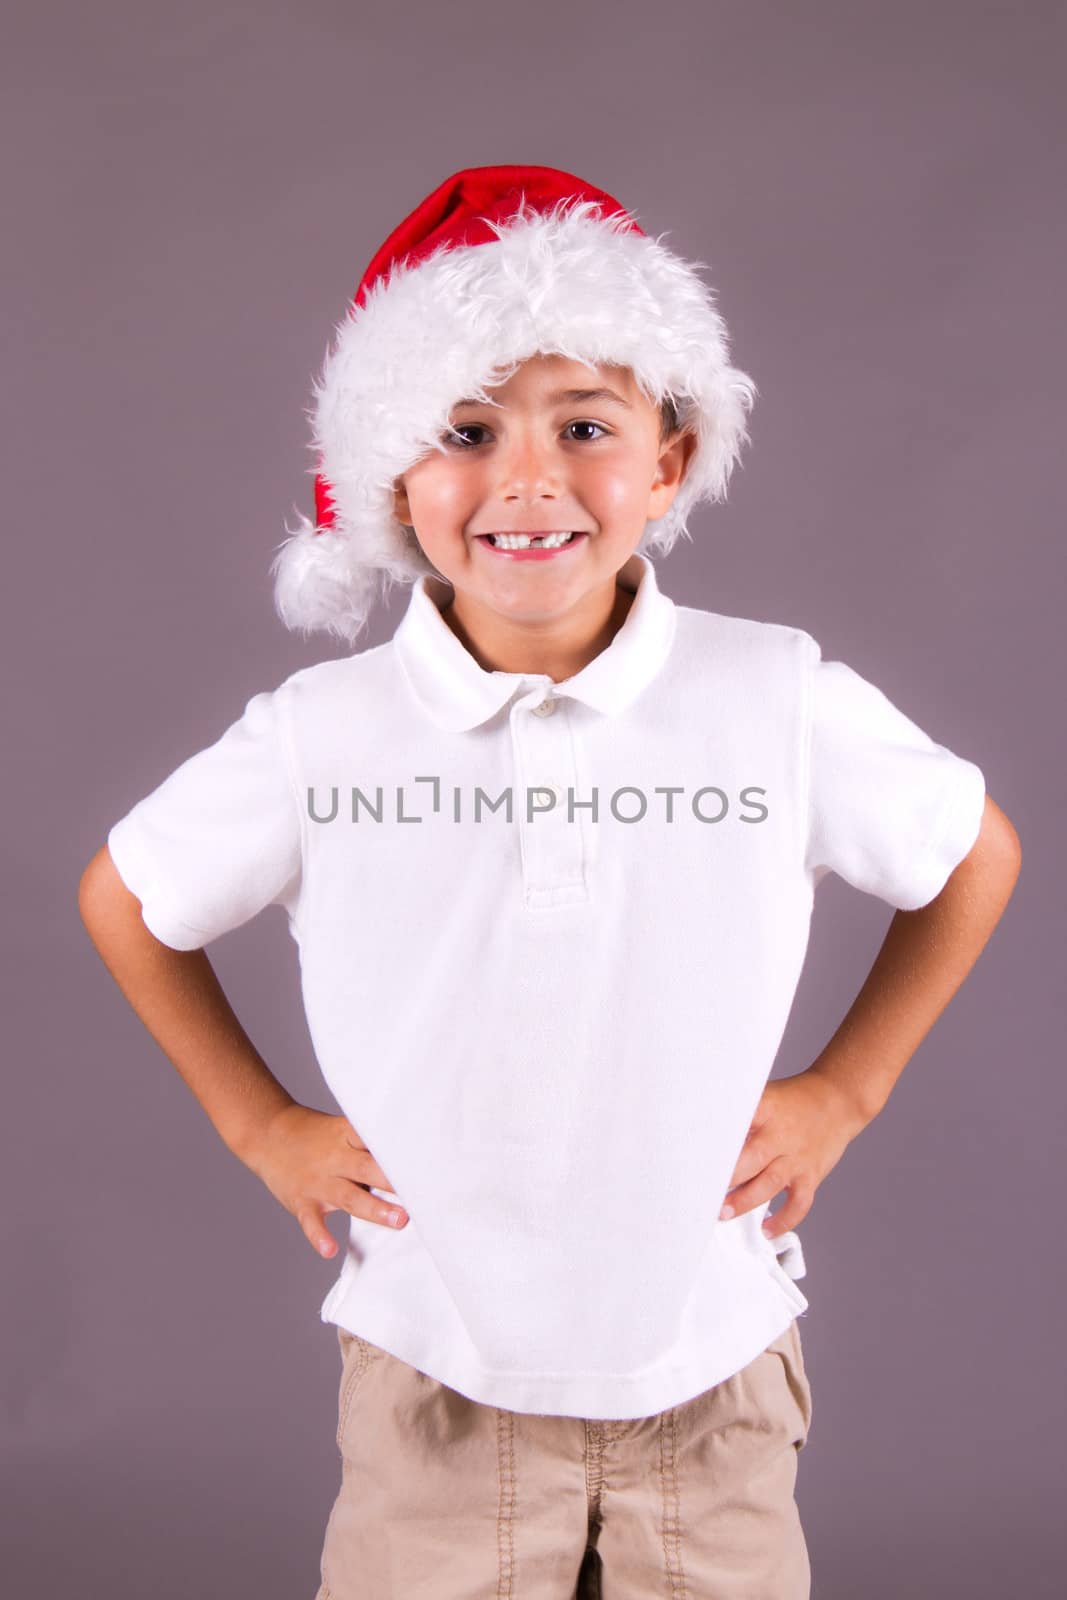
{"points": [[319, 583]]}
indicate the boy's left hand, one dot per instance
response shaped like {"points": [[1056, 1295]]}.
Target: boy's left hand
{"points": [[799, 1133]]}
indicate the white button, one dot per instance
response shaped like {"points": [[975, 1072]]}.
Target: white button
{"points": [[546, 708]]}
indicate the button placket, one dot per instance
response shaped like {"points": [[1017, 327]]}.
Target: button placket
{"points": [[552, 847]]}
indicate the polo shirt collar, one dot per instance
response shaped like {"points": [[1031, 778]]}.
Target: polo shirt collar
{"points": [[459, 694]]}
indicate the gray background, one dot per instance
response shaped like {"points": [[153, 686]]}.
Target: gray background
{"points": [[193, 193]]}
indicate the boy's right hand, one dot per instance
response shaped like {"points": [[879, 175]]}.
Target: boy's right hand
{"points": [[314, 1163]]}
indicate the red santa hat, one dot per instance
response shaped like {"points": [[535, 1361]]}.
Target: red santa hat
{"points": [[496, 265]]}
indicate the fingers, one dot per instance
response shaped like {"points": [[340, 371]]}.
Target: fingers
{"points": [[316, 1232], [360, 1164], [359, 1202], [364, 1169], [316, 1164], [756, 1154], [792, 1214], [763, 1187]]}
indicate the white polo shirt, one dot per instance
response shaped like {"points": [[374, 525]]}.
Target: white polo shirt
{"points": [[551, 1023]]}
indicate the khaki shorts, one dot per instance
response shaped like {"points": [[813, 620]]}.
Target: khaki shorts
{"points": [[443, 1498]]}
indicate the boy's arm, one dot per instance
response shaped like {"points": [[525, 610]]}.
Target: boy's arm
{"points": [[311, 1162], [923, 960], [804, 1123]]}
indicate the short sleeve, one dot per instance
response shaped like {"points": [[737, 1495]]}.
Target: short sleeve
{"points": [[889, 810], [220, 838]]}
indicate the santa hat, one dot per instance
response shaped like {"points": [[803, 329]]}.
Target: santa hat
{"points": [[496, 265]]}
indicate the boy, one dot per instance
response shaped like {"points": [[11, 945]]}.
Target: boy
{"points": [[549, 856]]}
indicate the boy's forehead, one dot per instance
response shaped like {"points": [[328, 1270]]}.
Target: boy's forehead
{"points": [[558, 378]]}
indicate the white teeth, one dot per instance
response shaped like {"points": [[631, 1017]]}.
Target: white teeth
{"points": [[523, 541]]}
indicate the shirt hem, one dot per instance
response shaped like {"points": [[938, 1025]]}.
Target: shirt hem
{"points": [[774, 1303], [133, 867], [961, 823]]}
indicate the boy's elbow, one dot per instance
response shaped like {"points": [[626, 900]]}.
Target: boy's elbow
{"points": [[1004, 836], [998, 847], [98, 886]]}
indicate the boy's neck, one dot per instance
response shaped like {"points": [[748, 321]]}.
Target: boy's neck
{"points": [[558, 650]]}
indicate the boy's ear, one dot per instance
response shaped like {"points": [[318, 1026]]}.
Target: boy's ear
{"points": [[401, 508], [674, 459]]}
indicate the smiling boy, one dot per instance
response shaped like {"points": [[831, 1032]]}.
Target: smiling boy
{"points": [[595, 463], [572, 1352]]}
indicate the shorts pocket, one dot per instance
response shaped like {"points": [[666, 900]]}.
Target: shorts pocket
{"points": [[358, 1355]]}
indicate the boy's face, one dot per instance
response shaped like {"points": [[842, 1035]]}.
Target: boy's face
{"points": [[542, 461]]}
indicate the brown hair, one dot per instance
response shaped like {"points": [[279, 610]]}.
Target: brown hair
{"points": [[668, 419]]}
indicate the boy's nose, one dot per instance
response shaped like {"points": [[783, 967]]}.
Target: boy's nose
{"points": [[527, 467]]}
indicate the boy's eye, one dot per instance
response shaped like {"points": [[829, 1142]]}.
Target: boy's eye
{"points": [[456, 435]]}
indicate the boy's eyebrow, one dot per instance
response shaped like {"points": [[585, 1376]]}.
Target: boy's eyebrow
{"points": [[579, 396], [584, 395]]}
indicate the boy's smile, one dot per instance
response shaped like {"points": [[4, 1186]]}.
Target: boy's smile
{"points": [[534, 504], [532, 546]]}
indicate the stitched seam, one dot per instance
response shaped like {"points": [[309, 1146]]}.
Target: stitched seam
{"points": [[359, 1367], [672, 1530], [325, 1592], [505, 1436], [594, 1471]]}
